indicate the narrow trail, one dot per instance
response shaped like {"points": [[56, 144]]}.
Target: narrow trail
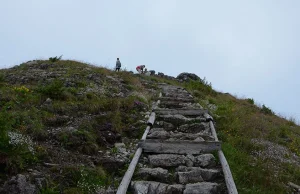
{"points": [[175, 154]]}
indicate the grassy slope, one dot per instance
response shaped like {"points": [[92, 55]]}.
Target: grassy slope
{"points": [[23, 112]]}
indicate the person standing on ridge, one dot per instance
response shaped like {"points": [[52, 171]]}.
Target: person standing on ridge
{"points": [[140, 68], [118, 64]]}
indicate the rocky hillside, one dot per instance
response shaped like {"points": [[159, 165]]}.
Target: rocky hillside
{"points": [[71, 127]]}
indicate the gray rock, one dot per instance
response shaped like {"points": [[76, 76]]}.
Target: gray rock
{"points": [[125, 140], [156, 129], [189, 177], [206, 174], [151, 187], [199, 139], [167, 126], [174, 119], [175, 189], [167, 160], [40, 182], [48, 101], [190, 160], [31, 63], [201, 188], [194, 127], [44, 66], [187, 76], [159, 135], [109, 190], [158, 174], [205, 160], [190, 136], [19, 184]]}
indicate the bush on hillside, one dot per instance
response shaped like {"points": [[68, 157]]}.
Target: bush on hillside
{"points": [[53, 90], [250, 100], [55, 59], [266, 110]]}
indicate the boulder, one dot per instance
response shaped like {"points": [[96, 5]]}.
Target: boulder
{"points": [[187, 76]]}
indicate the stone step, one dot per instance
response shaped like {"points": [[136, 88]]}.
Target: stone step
{"points": [[152, 187], [178, 119], [163, 99], [196, 174], [175, 94], [157, 174], [176, 104], [184, 112], [203, 188], [175, 160], [160, 133], [178, 147]]}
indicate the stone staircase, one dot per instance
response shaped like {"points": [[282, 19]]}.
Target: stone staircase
{"points": [[177, 153]]}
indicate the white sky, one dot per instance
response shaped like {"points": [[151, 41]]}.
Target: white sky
{"points": [[244, 47]]}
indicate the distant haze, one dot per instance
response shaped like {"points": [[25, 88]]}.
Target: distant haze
{"points": [[249, 48]]}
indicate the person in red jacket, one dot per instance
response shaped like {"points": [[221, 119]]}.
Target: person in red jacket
{"points": [[140, 68]]}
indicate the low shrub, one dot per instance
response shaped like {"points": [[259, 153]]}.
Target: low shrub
{"points": [[55, 59], [54, 90], [266, 110], [250, 100]]}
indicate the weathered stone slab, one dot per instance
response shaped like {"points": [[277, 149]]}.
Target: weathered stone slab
{"points": [[201, 188], [166, 126], [172, 104], [181, 105], [158, 174], [195, 128], [151, 187], [205, 160], [178, 120], [178, 147], [206, 174], [189, 177], [176, 99], [184, 112], [168, 160], [159, 135]]}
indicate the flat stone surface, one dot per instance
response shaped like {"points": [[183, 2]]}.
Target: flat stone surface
{"points": [[158, 174], [206, 174], [158, 135], [205, 160], [189, 177], [167, 160], [184, 112], [195, 128], [178, 146], [178, 119], [201, 188], [151, 187]]}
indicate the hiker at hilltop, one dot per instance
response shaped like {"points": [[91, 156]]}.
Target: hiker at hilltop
{"points": [[118, 64], [140, 68]]}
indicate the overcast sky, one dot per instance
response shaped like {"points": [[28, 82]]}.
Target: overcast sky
{"points": [[249, 48]]}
